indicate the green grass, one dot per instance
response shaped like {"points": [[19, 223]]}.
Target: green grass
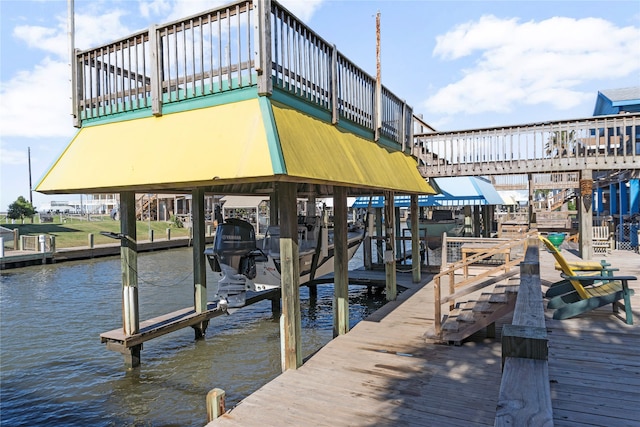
{"points": [[74, 232]]}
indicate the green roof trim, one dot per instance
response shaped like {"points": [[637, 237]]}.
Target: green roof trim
{"points": [[273, 140]]}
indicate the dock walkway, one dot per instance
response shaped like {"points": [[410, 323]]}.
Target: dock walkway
{"points": [[382, 373]]}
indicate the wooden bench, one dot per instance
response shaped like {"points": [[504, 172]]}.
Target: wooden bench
{"points": [[600, 240]]}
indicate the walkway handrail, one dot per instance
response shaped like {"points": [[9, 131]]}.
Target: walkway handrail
{"points": [[597, 143], [248, 43], [525, 395], [469, 285]]}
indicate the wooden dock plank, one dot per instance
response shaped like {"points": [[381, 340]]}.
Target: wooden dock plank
{"points": [[383, 373], [161, 325]]}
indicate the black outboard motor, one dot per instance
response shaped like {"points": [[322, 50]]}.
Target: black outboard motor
{"points": [[235, 240]]}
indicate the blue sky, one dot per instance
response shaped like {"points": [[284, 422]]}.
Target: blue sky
{"points": [[462, 64]]}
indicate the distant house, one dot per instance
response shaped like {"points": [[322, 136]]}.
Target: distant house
{"points": [[617, 101], [618, 194]]}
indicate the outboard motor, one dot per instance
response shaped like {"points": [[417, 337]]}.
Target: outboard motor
{"points": [[234, 255], [235, 238]]}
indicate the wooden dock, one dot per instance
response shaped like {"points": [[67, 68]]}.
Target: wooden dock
{"points": [[17, 259], [383, 373]]}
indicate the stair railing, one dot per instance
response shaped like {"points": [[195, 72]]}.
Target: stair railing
{"points": [[470, 284]]}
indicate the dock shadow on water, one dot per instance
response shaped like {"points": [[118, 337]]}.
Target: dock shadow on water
{"points": [[55, 371]]}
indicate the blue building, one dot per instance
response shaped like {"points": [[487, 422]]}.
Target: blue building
{"points": [[618, 194]]}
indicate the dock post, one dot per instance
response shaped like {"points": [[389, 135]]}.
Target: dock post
{"points": [[416, 259], [341, 273], [313, 290], [275, 306], [90, 240], [290, 277], [368, 250], [379, 233], [390, 241], [199, 267], [129, 268], [215, 404], [585, 215]]}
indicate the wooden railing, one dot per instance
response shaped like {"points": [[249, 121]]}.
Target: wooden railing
{"points": [[542, 181], [250, 43], [525, 395], [459, 284], [597, 143]]}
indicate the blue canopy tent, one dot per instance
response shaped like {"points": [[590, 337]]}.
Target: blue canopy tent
{"points": [[455, 191]]}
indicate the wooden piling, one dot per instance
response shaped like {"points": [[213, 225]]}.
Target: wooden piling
{"points": [[199, 266], [341, 275], [215, 404], [129, 268], [416, 260], [390, 241], [290, 277]]}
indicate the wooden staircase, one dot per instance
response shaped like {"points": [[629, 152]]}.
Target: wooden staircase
{"points": [[476, 302], [471, 316]]}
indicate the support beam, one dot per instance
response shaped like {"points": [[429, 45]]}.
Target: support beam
{"points": [[634, 196], [532, 211], [379, 233], [274, 206], [341, 261], [397, 232], [290, 278], [585, 214], [476, 221], [368, 249], [390, 240], [199, 266], [129, 268], [416, 260]]}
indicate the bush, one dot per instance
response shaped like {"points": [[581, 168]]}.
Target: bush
{"points": [[176, 222]]}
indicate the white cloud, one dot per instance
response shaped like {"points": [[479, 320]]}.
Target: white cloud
{"points": [[37, 103], [303, 9], [531, 63], [154, 8], [13, 157], [91, 29]]}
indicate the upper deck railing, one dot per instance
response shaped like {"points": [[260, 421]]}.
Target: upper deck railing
{"points": [[598, 143], [244, 44]]}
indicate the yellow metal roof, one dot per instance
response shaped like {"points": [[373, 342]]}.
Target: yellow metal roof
{"points": [[248, 141], [173, 151], [315, 150]]}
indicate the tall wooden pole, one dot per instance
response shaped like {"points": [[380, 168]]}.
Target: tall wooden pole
{"points": [[290, 277], [30, 184], [390, 241], [416, 260], [129, 268], [378, 90], [586, 214], [199, 266], [532, 212], [341, 260]]}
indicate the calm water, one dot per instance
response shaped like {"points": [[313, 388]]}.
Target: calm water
{"points": [[55, 371]]}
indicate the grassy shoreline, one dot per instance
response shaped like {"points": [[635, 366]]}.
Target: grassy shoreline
{"points": [[72, 232]]}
